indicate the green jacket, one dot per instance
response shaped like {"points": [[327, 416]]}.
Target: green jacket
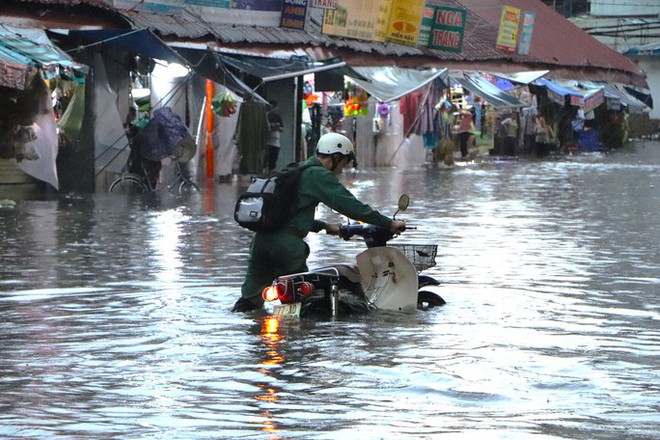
{"points": [[319, 185]]}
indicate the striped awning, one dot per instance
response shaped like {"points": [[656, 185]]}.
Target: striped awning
{"points": [[23, 51]]}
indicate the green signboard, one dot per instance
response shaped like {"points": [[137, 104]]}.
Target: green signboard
{"points": [[442, 28]]}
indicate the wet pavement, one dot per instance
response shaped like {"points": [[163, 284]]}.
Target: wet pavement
{"points": [[115, 321]]}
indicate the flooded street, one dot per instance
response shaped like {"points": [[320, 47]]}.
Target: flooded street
{"points": [[115, 314]]}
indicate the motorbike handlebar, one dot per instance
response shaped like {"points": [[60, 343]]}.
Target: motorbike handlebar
{"points": [[373, 235]]}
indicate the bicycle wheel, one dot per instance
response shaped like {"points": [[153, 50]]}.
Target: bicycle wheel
{"points": [[128, 185], [187, 187]]}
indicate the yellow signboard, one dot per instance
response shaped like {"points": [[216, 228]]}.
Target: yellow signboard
{"points": [[507, 37], [405, 20], [362, 19]]}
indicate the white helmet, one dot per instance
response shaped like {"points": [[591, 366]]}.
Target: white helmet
{"points": [[332, 143]]}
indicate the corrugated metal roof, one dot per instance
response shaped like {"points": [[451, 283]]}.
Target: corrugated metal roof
{"points": [[555, 40], [556, 43], [61, 14], [188, 25], [103, 4]]}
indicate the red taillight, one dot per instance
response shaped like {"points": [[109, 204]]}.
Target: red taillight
{"points": [[306, 288], [269, 293], [285, 291], [275, 291]]}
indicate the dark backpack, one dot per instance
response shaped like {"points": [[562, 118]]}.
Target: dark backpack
{"points": [[270, 201]]}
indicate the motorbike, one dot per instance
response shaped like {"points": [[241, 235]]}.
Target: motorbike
{"points": [[385, 277]]}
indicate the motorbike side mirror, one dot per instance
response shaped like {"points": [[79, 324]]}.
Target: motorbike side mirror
{"points": [[404, 202]]}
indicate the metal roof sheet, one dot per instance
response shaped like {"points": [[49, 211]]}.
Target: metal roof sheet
{"points": [[556, 42], [61, 14], [95, 3], [188, 25]]}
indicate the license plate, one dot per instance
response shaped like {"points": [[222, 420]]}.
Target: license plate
{"points": [[292, 310]]}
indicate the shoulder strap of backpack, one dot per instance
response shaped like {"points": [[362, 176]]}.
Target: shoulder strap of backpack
{"points": [[296, 166]]}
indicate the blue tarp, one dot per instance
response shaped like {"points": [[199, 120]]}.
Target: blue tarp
{"points": [[558, 88], [646, 49], [588, 141]]}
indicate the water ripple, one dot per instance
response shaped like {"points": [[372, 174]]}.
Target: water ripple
{"points": [[115, 322]]}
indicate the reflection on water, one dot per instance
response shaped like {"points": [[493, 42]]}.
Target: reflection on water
{"points": [[268, 393], [115, 314]]}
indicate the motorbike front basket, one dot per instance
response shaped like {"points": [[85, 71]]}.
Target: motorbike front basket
{"points": [[422, 256]]}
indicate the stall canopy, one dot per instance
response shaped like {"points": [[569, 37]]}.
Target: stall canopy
{"points": [[487, 91], [616, 97], [141, 42], [228, 70], [23, 50], [642, 95], [557, 92], [273, 69], [587, 98], [391, 83], [207, 63], [521, 77]]}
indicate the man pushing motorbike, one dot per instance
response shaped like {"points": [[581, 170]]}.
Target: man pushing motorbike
{"points": [[284, 251]]}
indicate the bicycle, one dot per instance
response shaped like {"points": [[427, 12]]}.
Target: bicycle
{"points": [[132, 183]]}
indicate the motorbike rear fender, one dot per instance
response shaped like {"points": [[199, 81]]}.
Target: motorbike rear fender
{"points": [[425, 280]]}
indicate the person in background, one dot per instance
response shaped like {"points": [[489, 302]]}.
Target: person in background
{"points": [[465, 131], [511, 130], [543, 134], [482, 118], [285, 251], [498, 136], [273, 143]]}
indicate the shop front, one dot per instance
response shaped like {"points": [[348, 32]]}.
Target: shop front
{"points": [[37, 84]]}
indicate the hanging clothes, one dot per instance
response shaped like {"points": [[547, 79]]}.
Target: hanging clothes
{"points": [[430, 119], [409, 105], [251, 135]]}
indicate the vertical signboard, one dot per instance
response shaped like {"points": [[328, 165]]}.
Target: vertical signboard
{"points": [[362, 19], [507, 37], [293, 14], [442, 28], [324, 4], [405, 19], [526, 35]]}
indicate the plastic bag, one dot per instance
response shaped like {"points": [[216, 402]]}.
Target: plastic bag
{"points": [[224, 105]]}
